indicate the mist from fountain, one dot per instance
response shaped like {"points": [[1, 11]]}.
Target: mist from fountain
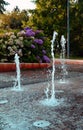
{"points": [[64, 71]]}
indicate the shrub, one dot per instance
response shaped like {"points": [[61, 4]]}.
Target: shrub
{"points": [[31, 46]]}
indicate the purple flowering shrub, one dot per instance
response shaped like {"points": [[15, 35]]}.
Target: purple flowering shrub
{"points": [[31, 45], [36, 46]]}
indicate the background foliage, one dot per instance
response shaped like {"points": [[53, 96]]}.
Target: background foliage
{"points": [[2, 6], [48, 16], [51, 15], [31, 45]]}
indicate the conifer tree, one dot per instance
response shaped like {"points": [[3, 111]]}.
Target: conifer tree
{"points": [[2, 4]]}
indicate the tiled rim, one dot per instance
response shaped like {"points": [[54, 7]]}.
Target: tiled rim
{"points": [[70, 61], [5, 67]]}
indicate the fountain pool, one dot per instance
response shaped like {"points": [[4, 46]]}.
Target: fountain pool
{"points": [[23, 110]]}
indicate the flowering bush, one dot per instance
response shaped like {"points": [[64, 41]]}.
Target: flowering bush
{"points": [[31, 46], [9, 45]]}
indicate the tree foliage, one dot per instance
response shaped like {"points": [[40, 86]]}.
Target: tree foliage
{"points": [[51, 15], [76, 29], [14, 19], [2, 4]]}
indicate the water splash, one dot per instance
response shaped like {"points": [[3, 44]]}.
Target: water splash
{"points": [[17, 84], [50, 98], [47, 92], [53, 69], [64, 72], [53, 65], [3, 101]]}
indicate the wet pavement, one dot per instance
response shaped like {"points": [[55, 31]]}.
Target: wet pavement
{"points": [[24, 108]]}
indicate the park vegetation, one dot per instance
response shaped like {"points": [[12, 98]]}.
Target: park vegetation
{"points": [[48, 16]]}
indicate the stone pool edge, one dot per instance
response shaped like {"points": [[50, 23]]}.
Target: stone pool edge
{"points": [[6, 67]]}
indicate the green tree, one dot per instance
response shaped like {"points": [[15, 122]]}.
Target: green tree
{"points": [[50, 15], [17, 17], [76, 29], [2, 4], [14, 20]]}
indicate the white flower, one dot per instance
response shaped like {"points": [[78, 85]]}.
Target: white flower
{"points": [[21, 38], [20, 52], [12, 36]]}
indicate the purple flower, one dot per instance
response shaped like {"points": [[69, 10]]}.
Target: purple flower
{"points": [[46, 59], [38, 31], [38, 41], [29, 33], [27, 28], [39, 59], [32, 46], [43, 51]]}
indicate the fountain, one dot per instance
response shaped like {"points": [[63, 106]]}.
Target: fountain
{"points": [[23, 111], [64, 72], [52, 101], [17, 84]]}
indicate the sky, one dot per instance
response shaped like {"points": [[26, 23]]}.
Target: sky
{"points": [[22, 4]]}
